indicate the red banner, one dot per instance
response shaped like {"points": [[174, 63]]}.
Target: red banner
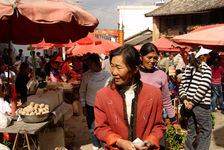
{"points": [[106, 32]]}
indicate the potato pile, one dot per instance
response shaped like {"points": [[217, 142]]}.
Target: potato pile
{"points": [[34, 109]]}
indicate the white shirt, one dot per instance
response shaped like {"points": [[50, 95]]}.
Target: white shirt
{"points": [[178, 62], [91, 83], [37, 62], [106, 65], [129, 96]]}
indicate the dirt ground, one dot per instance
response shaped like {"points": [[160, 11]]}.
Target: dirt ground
{"points": [[217, 140], [78, 137]]}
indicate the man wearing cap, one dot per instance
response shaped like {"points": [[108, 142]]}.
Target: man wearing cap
{"points": [[195, 94]]}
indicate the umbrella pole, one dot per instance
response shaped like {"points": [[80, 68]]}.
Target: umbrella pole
{"points": [[8, 79], [34, 68]]}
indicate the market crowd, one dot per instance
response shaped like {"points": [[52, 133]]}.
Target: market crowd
{"points": [[127, 95]]}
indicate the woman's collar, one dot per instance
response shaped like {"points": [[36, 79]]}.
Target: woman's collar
{"points": [[143, 69]]}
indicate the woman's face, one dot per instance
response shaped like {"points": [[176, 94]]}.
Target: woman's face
{"points": [[149, 60], [120, 72]]}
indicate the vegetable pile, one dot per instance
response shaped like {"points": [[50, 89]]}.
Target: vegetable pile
{"points": [[34, 109], [175, 140]]}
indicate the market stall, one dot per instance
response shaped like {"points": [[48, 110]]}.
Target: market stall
{"points": [[48, 123], [29, 22]]}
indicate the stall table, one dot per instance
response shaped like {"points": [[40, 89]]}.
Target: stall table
{"points": [[31, 128], [20, 127]]}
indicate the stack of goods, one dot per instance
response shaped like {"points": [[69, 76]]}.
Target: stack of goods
{"points": [[34, 109], [51, 98]]}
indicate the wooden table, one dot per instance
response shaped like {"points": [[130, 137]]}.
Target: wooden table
{"points": [[20, 127], [31, 128]]}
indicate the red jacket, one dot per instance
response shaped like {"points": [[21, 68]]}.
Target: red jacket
{"points": [[109, 117]]}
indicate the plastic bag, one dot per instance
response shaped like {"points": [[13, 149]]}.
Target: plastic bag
{"points": [[3, 147], [4, 106], [4, 120]]}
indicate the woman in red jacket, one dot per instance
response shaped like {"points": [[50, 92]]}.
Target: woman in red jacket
{"points": [[128, 109]]}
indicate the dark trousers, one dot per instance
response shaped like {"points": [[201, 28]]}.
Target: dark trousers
{"points": [[90, 118], [202, 117]]}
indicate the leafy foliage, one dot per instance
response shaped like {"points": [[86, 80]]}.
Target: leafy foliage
{"points": [[7, 143], [175, 140]]}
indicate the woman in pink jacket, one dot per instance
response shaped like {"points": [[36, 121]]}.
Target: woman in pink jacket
{"points": [[128, 109], [216, 84]]}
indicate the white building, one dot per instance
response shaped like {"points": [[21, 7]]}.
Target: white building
{"points": [[133, 19]]}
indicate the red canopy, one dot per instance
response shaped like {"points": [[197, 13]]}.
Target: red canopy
{"points": [[163, 44], [88, 40], [28, 22], [105, 47], [208, 36]]}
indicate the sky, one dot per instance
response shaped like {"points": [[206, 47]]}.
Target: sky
{"points": [[106, 10]]}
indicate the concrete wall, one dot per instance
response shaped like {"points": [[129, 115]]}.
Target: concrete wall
{"points": [[134, 20]]}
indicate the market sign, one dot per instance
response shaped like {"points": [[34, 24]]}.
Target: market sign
{"points": [[106, 32]]}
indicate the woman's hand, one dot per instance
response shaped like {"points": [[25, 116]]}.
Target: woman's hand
{"points": [[125, 144], [148, 144], [187, 104], [190, 105], [176, 127]]}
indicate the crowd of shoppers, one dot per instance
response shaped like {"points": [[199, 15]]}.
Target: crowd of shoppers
{"points": [[128, 98]]}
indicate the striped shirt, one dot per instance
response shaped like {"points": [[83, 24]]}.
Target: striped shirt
{"points": [[196, 85]]}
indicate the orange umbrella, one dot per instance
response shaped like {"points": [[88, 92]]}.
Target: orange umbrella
{"points": [[210, 37], [88, 40], [28, 22], [164, 44], [106, 46], [103, 48]]}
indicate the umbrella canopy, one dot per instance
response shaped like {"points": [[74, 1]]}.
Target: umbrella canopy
{"points": [[164, 44], [210, 36], [88, 40], [28, 22], [105, 47]]}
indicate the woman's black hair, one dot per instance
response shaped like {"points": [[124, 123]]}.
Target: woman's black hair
{"points": [[95, 58], [216, 63], [193, 61], [148, 48], [130, 56], [23, 66], [163, 53]]}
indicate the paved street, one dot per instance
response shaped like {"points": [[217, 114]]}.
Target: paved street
{"points": [[217, 142], [78, 134]]}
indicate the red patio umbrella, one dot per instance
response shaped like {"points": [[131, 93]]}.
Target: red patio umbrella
{"points": [[29, 22], [103, 48], [164, 44], [88, 40], [107, 45], [210, 37]]}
